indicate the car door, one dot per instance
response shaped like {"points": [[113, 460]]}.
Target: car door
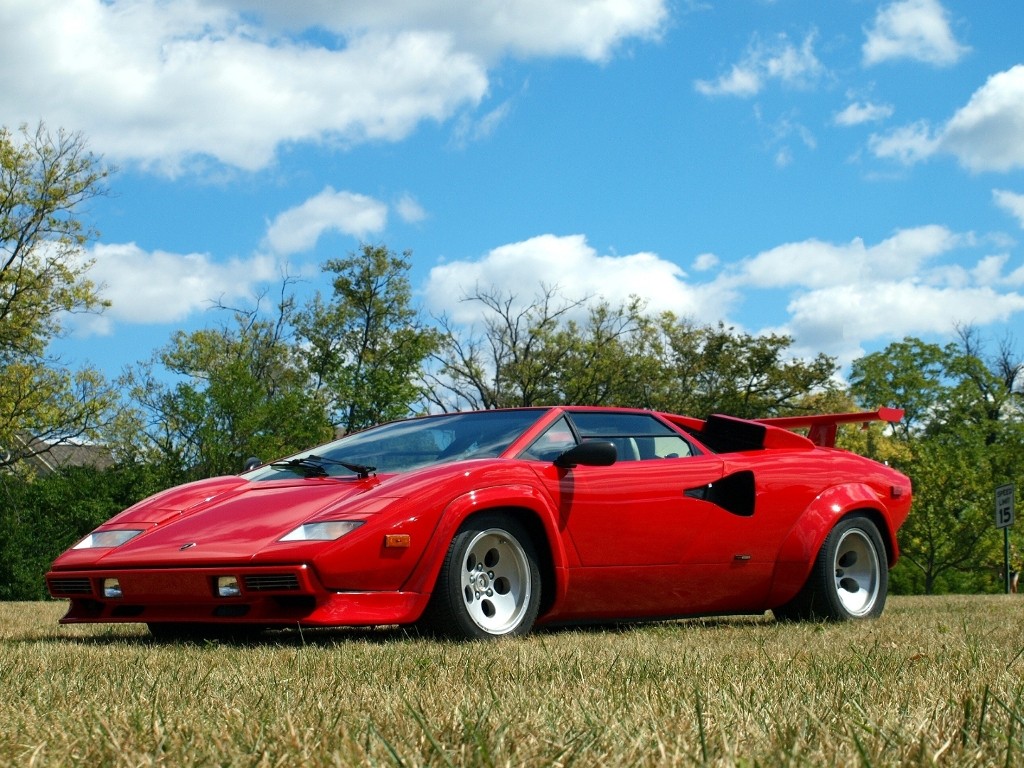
{"points": [[630, 524]]}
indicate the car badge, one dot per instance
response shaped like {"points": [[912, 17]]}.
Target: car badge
{"points": [[186, 546]]}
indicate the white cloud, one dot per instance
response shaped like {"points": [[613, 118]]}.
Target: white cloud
{"points": [[908, 144], [160, 287], [987, 134], [1010, 202], [778, 60], [780, 134], [912, 29], [409, 210], [471, 128], [741, 80], [830, 297], [164, 84], [859, 112], [989, 271], [845, 295], [819, 264], [590, 29], [575, 269], [840, 296], [705, 262], [844, 317], [299, 228]]}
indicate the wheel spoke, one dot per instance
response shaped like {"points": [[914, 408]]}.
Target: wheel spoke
{"points": [[495, 581], [857, 569]]}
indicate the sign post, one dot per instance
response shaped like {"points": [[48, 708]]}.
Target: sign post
{"points": [[1004, 519]]}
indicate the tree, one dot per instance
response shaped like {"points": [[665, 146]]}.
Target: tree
{"points": [[44, 180], [363, 348], [225, 394], [949, 538], [611, 358], [541, 353], [909, 374], [42, 518], [536, 353], [715, 369], [964, 436]]}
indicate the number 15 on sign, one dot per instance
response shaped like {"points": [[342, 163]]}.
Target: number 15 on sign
{"points": [[1004, 506]]}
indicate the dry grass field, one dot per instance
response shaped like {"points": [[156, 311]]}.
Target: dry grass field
{"points": [[935, 681]]}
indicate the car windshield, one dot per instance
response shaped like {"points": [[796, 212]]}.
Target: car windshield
{"points": [[406, 445]]}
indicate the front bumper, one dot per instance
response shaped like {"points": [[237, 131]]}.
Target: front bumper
{"points": [[268, 596]]}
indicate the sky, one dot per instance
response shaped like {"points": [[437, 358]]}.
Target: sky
{"points": [[848, 173]]}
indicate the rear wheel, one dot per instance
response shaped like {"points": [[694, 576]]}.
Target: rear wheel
{"points": [[850, 577], [489, 585]]}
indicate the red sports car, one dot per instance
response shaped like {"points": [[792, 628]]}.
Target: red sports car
{"points": [[488, 523]]}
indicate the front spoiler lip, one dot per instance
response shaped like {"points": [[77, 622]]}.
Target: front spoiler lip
{"points": [[288, 595]]}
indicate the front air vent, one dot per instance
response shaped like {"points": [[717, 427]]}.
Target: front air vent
{"points": [[70, 587], [271, 582]]}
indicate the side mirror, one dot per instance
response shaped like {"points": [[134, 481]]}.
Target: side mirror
{"points": [[593, 453], [251, 463]]}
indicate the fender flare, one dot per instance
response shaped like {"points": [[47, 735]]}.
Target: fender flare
{"points": [[525, 498], [800, 548]]}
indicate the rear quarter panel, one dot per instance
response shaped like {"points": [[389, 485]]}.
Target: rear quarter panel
{"points": [[858, 485]]}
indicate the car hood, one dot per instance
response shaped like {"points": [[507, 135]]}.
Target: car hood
{"points": [[227, 518]]}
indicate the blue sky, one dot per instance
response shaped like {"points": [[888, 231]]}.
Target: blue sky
{"points": [[847, 172]]}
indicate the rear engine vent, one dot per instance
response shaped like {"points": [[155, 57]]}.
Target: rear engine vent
{"points": [[70, 587], [272, 582]]}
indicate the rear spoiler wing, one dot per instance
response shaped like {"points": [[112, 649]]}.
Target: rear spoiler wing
{"points": [[727, 433], [821, 429]]}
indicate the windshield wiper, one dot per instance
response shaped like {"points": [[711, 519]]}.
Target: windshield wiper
{"points": [[313, 466]]}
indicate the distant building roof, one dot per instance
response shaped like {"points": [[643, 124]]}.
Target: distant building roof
{"points": [[46, 456]]}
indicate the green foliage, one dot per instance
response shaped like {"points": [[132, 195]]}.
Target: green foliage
{"points": [[41, 518], [44, 179], [909, 374], [962, 436], [235, 392], [514, 360], [608, 359], [540, 353], [547, 352], [364, 347], [270, 384], [715, 369]]}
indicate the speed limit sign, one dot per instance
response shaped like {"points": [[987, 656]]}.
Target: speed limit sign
{"points": [[1004, 506]]}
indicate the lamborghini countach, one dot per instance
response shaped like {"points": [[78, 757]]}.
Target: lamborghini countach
{"points": [[491, 523]]}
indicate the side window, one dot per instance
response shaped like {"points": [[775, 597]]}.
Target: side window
{"points": [[665, 447], [555, 440], [637, 436]]}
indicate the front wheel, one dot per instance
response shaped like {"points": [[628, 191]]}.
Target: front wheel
{"points": [[489, 585], [850, 577]]}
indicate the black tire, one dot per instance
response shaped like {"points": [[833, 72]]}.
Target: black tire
{"points": [[489, 585], [850, 577]]}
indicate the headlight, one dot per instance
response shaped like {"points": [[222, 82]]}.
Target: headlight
{"points": [[106, 539], [328, 530]]}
